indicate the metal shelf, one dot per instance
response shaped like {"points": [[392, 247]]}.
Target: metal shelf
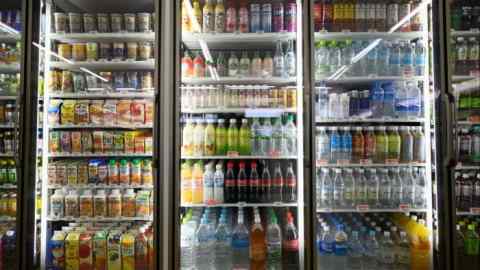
{"points": [[99, 186], [102, 94], [8, 97], [356, 210], [132, 126], [240, 81], [7, 155], [239, 157], [242, 204], [371, 120], [7, 126], [103, 37], [9, 38], [367, 35], [8, 186], [96, 155], [235, 40], [7, 219], [372, 165], [99, 219], [459, 78], [253, 111], [106, 65], [367, 79], [461, 167], [9, 68], [470, 213], [467, 123], [455, 33]]}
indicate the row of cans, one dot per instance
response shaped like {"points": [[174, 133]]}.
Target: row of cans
{"points": [[68, 82], [117, 51], [12, 18], [103, 22]]}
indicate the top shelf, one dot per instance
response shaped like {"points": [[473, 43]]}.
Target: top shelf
{"points": [[367, 35], [235, 40], [8, 38], [103, 37]]}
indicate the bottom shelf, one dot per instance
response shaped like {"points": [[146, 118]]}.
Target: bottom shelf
{"points": [[242, 204]]}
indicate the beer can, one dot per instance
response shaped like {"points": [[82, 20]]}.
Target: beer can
{"points": [[67, 81], [147, 80], [116, 22], [103, 23], [105, 52], [145, 51], [60, 22], [143, 22], [78, 52], [130, 22], [118, 50], [267, 17], [54, 80], [65, 51], [92, 51], [89, 23], [132, 49], [75, 20]]}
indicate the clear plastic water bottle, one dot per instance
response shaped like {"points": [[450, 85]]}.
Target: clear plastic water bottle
{"points": [[372, 62], [396, 188], [233, 65], [290, 60], [407, 59], [327, 244], [274, 243], [338, 190], [355, 253], [346, 156], [223, 249], [395, 56], [420, 189], [333, 106], [290, 136], [335, 56], [335, 145], [357, 69], [208, 184], [408, 187], [347, 56], [344, 106], [187, 242], [349, 193], [204, 245], [363, 62], [360, 187], [266, 137], [371, 252], [255, 138], [244, 65], [383, 58], [414, 95], [385, 188], [279, 69], [389, 100], [373, 184], [323, 146], [340, 248], [377, 100], [419, 58], [322, 105], [401, 101], [387, 254], [278, 140], [322, 61], [402, 253], [326, 185], [219, 184], [240, 244]]}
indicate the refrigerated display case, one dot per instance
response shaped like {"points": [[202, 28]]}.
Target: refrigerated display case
{"points": [[239, 188], [11, 55], [464, 86], [374, 133], [96, 179]]}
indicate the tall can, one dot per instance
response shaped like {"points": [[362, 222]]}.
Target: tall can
{"points": [[392, 14], [361, 16], [267, 17], [255, 18], [291, 17], [380, 17], [278, 17]]}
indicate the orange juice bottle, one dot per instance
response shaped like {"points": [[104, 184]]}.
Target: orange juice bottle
{"points": [[128, 251], [100, 250], [114, 250], [128, 203], [186, 27], [186, 182], [114, 203], [197, 183], [196, 22], [420, 250]]}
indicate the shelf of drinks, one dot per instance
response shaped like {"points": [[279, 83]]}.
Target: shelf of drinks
{"points": [[8, 155], [104, 126], [6, 126], [235, 40], [246, 111], [464, 167], [459, 78], [144, 93], [98, 219], [240, 204], [97, 155], [102, 37], [473, 32], [9, 38], [367, 79], [9, 68], [368, 35], [368, 210], [370, 120], [7, 219], [8, 186], [99, 186], [237, 157], [8, 97], [105, 65], [240, 80], [369, 165]]}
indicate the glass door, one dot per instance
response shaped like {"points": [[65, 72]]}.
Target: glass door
{"points": [[11, 30], [373, 134], [239, 185], [464, 74], [96, 138]]}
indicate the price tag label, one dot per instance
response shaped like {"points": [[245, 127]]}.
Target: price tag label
{"points": [[321, 162], [404, 207], [475, 210], [363, 207], [326, 210], [211, 202], [346, 31], [232, 154], [241, 204], [391, 161], [366, 161], [277, 203]]}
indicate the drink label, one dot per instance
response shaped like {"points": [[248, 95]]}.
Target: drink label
{"points": [[365, 161], [291, 245], [363, 207], [242, 182], [254, 182], [229, 182], [475, 210], [291, 182], [278, 182]]}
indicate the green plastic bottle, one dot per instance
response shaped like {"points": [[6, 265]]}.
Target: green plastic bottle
{"points": [[244, 140]]}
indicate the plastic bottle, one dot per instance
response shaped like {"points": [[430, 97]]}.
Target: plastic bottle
{"points": [[340, 248], [419, 58], [346, 155], [322, 61], [219, 17], [361, 188], [204, 245], [254, 187], [408, 187], [256, 64], [377, 101], [197, 13], [333, 106], [233, 65], [242, 183], [221, 138], [232, 137], [402, 253], [349, 190], [355, 257], [267, 17], [279, 67], [255, 17], [420, 250], [266, 137], [274, 243], [323, 146], [387, 255], [334, 56], [244, 138], [372, 252], [358, 145], [244, 65], [240, 244], [266, 185], [394, 145], [419, 150], [402, 101], [290, 247], [243, 18], [277, 184], [290, 60], [278, 16], [278, 140], [406, 154], [420, 189], [199, 139], [290, 189], [326, 189], [327, 246], [322, 104], [218, 184], [208, 17], [197, 183], [395, 59], [373, 184], [414, 95], [198, 66], [223, 249], [408, 57], [348, 54], [396, 185], [389, 90], [338, 190], [383, 58], [335, 145], [372, 62], [231, 18], [267, 65], [230, 184], [258, 243], [208, 184]]}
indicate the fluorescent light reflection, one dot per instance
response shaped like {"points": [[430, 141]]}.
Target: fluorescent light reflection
{"points": [[7, 28], [48, 51]]}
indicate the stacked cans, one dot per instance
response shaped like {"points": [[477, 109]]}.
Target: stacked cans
{"points": [[117, 51], [103, 22]]}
